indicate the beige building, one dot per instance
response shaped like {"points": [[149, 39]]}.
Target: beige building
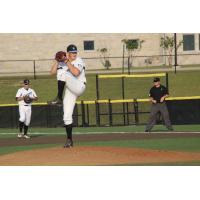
{"points": [[41, 46]]}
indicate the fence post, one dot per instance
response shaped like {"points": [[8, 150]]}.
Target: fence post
{"points": [[129, 65], [123, 59], [167, 81], [76, 114], [135, 103], [97, 86], [123, 90], [88, 115], [83, 113], [127, 113], [110, 112], [123, 96], [97, 113], [34, 70], [175, 53]]}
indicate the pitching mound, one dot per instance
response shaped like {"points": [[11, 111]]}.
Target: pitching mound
{"points": [[94, 156]]}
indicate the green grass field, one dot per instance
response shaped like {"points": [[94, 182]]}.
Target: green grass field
{"points": [[180, 84], [92, 130], [173, 144], [183, 144]]}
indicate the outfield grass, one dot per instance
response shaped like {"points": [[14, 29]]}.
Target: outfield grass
{"points": [[92, 130], [180, 84], [186, 163], [13, 149], [168, 144]]}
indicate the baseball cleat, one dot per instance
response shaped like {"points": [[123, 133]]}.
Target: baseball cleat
{"points": [[68, 144], [26, 136], [19, 135], [56, 101]]}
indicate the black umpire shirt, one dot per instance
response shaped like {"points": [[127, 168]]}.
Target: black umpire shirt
{"points": [[158, 92]]}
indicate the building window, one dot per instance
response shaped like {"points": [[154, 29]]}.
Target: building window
{"points": [[188, 42], [132, 44], [88, 45]]}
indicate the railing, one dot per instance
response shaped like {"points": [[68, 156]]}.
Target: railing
{"points": [[119, 63]]}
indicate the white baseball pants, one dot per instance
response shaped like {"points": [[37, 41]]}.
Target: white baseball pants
{"points": [[74, 88], [25, 114]]}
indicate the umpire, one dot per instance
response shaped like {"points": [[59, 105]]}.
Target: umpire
{"points": [[157, 94]]}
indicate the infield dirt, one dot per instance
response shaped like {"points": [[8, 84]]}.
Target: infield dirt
{"points": [[93, 155], [86, 156]]}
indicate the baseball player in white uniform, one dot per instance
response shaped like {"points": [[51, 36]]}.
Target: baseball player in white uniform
{"points": [[75, 86], [25, 96]]}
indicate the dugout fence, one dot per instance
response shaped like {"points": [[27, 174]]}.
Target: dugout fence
{"points": [[182, 110]]}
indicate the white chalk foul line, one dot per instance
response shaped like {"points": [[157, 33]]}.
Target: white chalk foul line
{"points": [[63, 133]]}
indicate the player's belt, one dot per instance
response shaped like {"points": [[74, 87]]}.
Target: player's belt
{"points": [[26, 105], [59, 68]]}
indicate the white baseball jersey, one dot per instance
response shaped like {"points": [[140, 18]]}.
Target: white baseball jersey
{"points": [[79, 63], [23, 92], [61, 71], [24, 108]]}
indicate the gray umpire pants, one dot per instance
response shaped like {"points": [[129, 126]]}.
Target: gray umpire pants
{"points": [[155, 108]]}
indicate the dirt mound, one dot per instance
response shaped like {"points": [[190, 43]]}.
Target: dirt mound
{"points": [[86, 155]]}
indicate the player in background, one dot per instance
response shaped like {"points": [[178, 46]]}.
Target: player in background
{"points": [[25, 96], [75, 86]]}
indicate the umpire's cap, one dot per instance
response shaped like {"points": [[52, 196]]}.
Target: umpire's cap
{"points": [[72, 48], [156, 79], [26, 82]]}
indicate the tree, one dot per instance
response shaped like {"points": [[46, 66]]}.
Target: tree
{"points": [[168, 44], [104, 58], [132, 46]]}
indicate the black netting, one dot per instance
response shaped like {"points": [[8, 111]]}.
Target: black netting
{"points": [[90, 115], [103, 114], [8, 117], [185, 111]]}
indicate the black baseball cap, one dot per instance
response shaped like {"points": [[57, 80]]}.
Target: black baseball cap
{"points": [[72, 48], [156, 79], [26, 82]]}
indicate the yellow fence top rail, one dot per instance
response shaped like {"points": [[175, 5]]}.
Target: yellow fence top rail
{"points": [[15, 104], [113, 101], [183, 98], [132, 75]]}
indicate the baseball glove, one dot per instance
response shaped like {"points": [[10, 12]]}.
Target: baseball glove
{"points": [[60, 56], [27, 99]]}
